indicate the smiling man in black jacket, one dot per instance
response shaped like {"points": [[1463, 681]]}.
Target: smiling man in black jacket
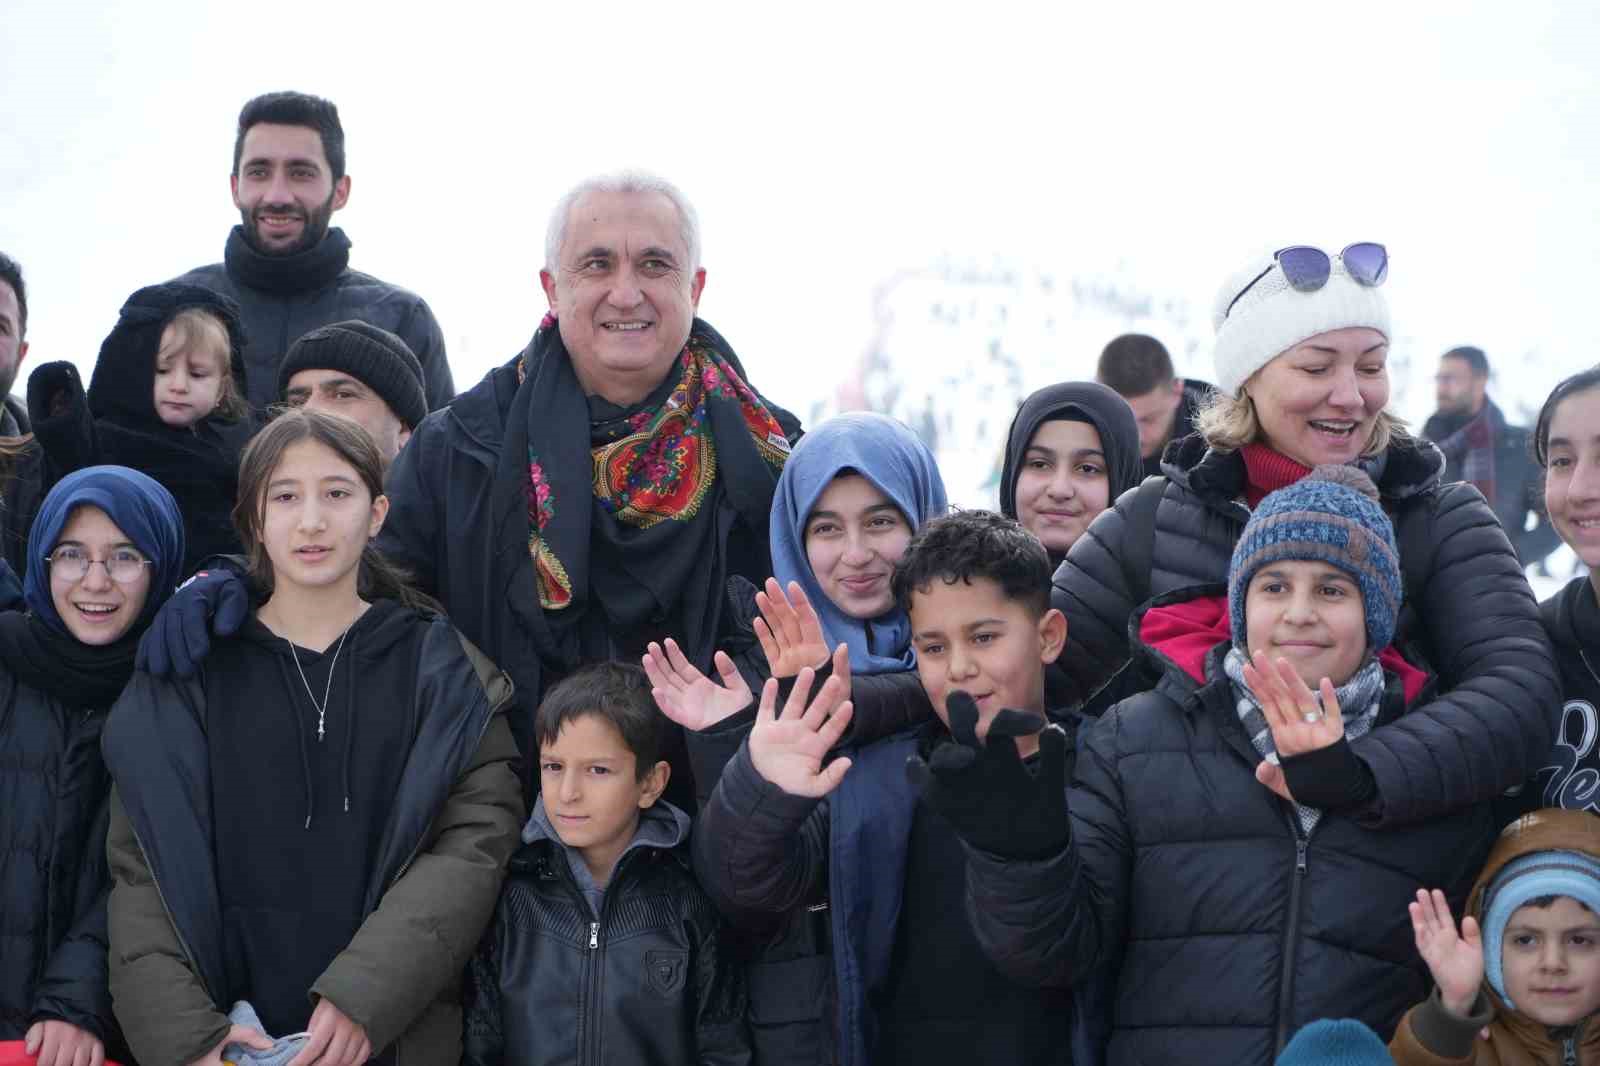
{"points": [[285, 268]]}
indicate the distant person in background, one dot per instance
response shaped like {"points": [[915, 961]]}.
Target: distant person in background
{"points": [[20, 487], [362, 373], [1482, 450], [1139, 368], [285, 268]]}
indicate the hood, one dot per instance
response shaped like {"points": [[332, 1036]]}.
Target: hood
{"points": [[1088, 401], [122, 387], [1180, 630], [1409, 467]]}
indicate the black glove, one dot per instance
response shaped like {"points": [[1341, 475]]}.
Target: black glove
{"points": [[213, 601], [986, 792], [52, 390]]}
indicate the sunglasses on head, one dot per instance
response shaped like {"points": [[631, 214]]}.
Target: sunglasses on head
{"points": [[1308, 269]]}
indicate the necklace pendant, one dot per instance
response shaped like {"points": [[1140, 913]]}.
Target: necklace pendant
{"points": [[319, 730]]}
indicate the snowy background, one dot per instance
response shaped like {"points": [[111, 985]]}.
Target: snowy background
{"points": [[929, 209]]}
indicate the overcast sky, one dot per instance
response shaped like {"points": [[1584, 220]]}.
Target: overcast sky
{"points": [[828, 146]]}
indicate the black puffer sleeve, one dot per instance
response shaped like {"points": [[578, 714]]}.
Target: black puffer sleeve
{"points": [[1480, 623], [75, 986], [1049, 922], [1091, 589]]}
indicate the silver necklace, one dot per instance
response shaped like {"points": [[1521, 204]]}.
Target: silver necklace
{"points": [[322, 708]]}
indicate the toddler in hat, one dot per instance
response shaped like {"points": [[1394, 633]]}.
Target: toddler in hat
{"points": [[1523, 971]]}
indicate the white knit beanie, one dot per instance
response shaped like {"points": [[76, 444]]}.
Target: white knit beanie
{"points": [[1272, 317]]}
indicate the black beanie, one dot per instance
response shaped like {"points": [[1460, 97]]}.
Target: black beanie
{"points": [[375, 357]]}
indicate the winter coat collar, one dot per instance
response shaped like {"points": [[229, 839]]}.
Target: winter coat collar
{"points": [[1408, 467], [287, 275], [661, 828], [1572, 618]]}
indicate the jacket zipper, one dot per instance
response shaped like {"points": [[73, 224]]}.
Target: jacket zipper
{"points": [[162, 896], [1569, 1051], [1291, 934]]}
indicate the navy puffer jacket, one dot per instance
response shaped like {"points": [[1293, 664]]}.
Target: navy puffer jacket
{"points": [[1468, 609]]}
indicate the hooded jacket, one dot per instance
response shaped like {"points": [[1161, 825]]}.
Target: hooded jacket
{"points": [[435, 868], [117, 422], [1569, 775], [1518, 482], [1430, 1036], [1467, 609], [1183, 867], [282, 298], [634, 972]]}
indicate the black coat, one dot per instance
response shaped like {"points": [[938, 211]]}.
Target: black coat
{"points": [[53, 875], [21, 489], [647, 982], [467, 546], [1195, 395], [1231, 928], [1569, 776], [275, 320], [1467, 608], [1518, 485]]}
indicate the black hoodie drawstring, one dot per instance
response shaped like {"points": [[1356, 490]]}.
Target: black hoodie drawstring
{"points": [[300, 731], [350, 716]]}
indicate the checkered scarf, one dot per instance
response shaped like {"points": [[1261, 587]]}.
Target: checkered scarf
{"points": [[1364, 690], [1470, 450]]}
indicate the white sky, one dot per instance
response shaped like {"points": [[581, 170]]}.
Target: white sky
{"points": [[828, 145]]}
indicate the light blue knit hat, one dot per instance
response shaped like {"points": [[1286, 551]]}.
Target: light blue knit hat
{"points": [[1533, 876], [1331, 515], [1335, 1042]]}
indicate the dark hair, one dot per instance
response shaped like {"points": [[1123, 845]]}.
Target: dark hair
{"points": [[1134, 364], [967, 544], [378, 578], [295, 109], [1473, 357], [11, 274], [619, 693], [1582, 381], [1549, 901]]}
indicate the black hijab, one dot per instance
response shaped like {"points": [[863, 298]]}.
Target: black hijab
{"points": [[1083, 401]]}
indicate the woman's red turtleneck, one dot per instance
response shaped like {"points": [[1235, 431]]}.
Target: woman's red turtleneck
{"points": [[1268, 471]]}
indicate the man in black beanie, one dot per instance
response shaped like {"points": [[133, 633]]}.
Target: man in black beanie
{"points": [[361, 372], [288, 272]]}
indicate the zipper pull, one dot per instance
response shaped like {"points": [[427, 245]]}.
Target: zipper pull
{"points": [[594, 935], [1300, 847], [1569, 1051]]}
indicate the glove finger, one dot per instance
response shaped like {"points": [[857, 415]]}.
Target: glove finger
{"points": [[152, 654], [233, 604], [917, 772], [952, 758], [963, 712], [1053, 759], [193, 635], [1011, 722]]}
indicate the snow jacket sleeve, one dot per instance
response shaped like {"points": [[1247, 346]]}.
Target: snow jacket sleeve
{"points": [[163, 1007], [422, 335], [1429, 1035], [1092, 590], [74, 987], [1048, 922], [757, 849], [425, 928], [720, 997], [484, 1041], [59, 410], [1497, 672]]}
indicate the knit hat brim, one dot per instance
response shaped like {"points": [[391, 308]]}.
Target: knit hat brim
{"points": [[1534, 876], [375, 357]]}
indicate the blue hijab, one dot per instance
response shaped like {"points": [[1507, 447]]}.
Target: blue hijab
{"points": [[899, 465], [141, 508]]}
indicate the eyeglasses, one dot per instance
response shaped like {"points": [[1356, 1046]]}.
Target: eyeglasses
{"points": [[71, 564], [1308, 269]]}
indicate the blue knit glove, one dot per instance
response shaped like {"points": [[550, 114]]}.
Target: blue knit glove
{"points": [[179, 638]]}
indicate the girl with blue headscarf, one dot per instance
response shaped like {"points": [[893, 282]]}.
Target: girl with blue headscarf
{"points": [[104, 553]]}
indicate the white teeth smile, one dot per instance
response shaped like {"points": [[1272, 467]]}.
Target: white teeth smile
{"points": [[94, 608], [626, 327], [1344, 429]]}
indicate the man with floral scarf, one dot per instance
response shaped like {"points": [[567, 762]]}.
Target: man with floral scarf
{"points": [[598, 490]]}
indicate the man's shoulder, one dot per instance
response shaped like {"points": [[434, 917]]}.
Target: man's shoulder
{"points": [[478, 415], [351, 279], [212, 276]]}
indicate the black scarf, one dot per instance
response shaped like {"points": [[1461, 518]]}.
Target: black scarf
{"points": [[287, 275], [665, 578], [79, 675]]}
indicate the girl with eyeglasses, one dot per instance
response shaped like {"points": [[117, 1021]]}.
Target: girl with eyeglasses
{"points": [[105, 552]]}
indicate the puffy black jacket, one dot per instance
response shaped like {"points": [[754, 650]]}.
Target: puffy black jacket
{"points": [[1468, 609], [273, 322], [1518, 484], [53, 875], [1232, 928], [1569, 775], [647, 982]]}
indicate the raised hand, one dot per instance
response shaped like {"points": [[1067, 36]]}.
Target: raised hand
{"points": [[689, 697], [789, 630], [1456, 961], [335, 1040], [788, 748], [58, 1043], [1300, 720]]}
